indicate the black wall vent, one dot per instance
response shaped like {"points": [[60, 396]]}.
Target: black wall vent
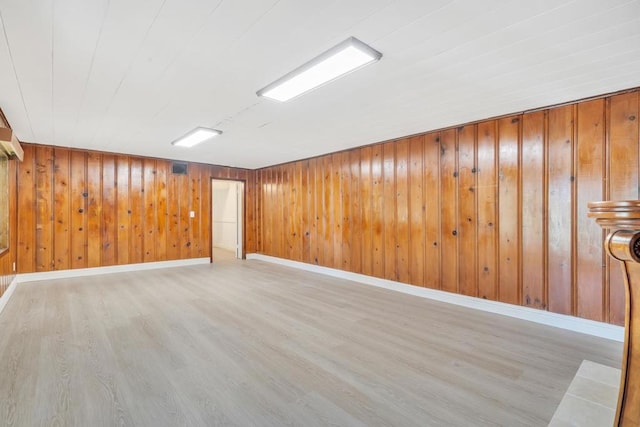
{"points": [[179, 168]]}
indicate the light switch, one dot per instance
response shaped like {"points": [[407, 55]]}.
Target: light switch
{"points": [[192, 214]]}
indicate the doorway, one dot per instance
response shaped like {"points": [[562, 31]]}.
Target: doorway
{"points": [[227, 203]]}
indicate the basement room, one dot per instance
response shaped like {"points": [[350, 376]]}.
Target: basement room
{"points": [[316, 213]]}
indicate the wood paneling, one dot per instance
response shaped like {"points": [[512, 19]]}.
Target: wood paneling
{"points": [[83, 209], [366, 202], [44, 209], [514, 190], [561, 178], [336, 218], [389, 231], [377, 211], [533, 209], [416, 211], [78, 198], [123, 208], [136, 208], [487, 215], [94, 208], [508, 218], [432, 265], [494, 209], [403, 241], [150, 216], [624, 134], [109, 212], [62, 207], [9, 257], [449, 210], [467, 211], [590, 154], [27, 200], [355, 209]]}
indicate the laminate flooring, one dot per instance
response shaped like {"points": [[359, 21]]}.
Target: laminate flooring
{"points": [[248, 343]]}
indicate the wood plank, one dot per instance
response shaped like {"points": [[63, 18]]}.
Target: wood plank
{"points": [[136, 205], [417, 208], [149, 212], [79, 210], [296, 210], [403, 238], [184, 221], [306, 196], [275, 209], [44, 208], [590, 176], [432, 197], [250, 229], [561, 192], [327, 212], [533, 210], [389, 211], [205, 215], [194, 223], [355, 238], [109, 214], [162, 214], [509, 287], [123, 209], [94, 209], [268, 211], [367, 212], [173, 211], [284, 200], [346, 217], [624, 137], [317, 232], [377, 209], [487, 211], [259, 211], [26, 257], [336, 213], [62, 208], [467, 220], [449, 209]]}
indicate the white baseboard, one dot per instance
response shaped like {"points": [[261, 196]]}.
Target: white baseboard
{"points": [[4, 299], [81, 272], [598, 329]]}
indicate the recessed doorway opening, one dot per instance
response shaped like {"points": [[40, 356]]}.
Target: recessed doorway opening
{"points": [[227, 212]]}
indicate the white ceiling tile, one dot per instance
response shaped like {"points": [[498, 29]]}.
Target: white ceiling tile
{"points": [[10, 93], [72, 60], [28, 27], [123, 32]]}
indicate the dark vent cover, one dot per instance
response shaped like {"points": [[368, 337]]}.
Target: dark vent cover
{"points": [[179, 168]]}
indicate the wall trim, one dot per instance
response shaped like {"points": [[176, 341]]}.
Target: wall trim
{"points": [[81, 272], [4, 299], [571, 323]]}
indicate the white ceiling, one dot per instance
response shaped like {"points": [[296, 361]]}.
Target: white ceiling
{"points": [[130, 76]]}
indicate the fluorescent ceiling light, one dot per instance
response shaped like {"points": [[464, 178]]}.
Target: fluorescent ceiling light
{"points": [[341, 59], [196, 136]]}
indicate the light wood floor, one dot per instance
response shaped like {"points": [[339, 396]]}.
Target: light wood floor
{"points": [[248, 343]]}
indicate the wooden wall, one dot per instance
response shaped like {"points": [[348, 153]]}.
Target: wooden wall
{"points": [[494, 209], [8, 258], [81, 209]]}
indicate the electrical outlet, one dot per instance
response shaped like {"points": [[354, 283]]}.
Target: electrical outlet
{"points": [[192, 214]]}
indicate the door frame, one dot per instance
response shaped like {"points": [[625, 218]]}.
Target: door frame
{"points": [[241, 221]]}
